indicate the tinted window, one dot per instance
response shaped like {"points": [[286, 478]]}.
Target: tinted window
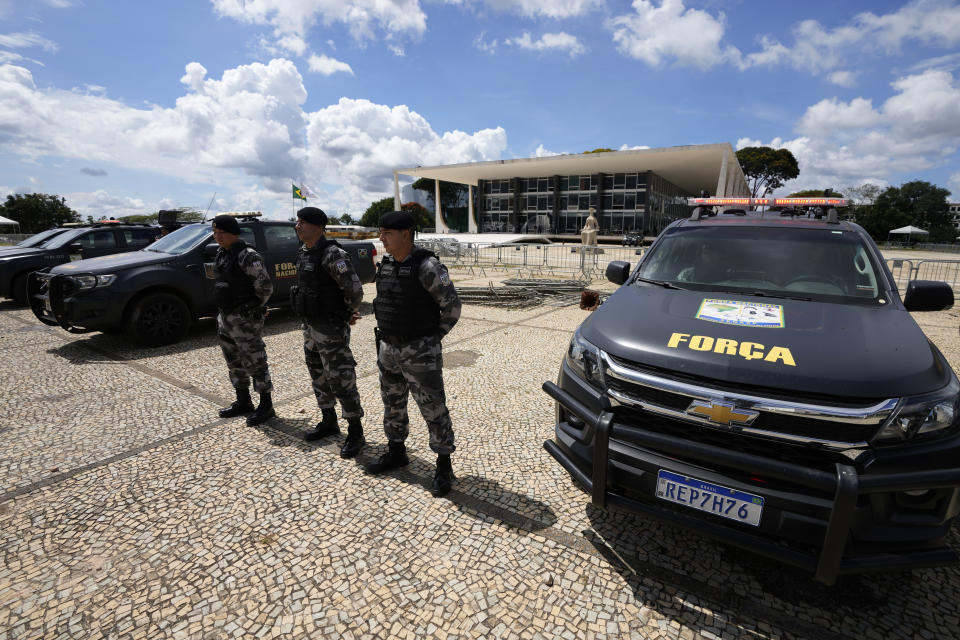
{"points": [[809, 263], [281, 238], [99, 240], [140, 237], [248, 236]]}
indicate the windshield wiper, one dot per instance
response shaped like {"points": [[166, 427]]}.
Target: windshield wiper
{"points": [[665, 285]]}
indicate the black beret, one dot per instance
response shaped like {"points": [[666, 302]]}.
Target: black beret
{"points": [[313, 215], [396, 220], [227, 223]]}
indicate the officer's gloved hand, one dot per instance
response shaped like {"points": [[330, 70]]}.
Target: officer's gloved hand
{"points": [[265, 311], [354, 317]]}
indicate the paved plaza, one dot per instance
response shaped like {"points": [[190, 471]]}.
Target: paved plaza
{"points": [[129, 510]]}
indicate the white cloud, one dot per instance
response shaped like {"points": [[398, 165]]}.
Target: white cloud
{"points": [[654, 34], [948, 62], [544, 153], [24, 40], [249, 122], [816, 49], [363, 18], [483, 45], [546, 8], [327, 66], [843, 78], [361, 143], [638, 147], [954, 186], [849, 143], [549, 42]]}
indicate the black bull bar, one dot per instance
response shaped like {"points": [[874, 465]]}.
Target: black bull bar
{"points": [[39, 283], [846, 484]]}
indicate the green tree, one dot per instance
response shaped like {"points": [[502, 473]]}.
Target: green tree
{"points": [[37, 211], [185, 215], [814, 193], [346, 219], [452, 194], [918, 203], [423, 217], [371, 217], [766, 168], [599, 150]]}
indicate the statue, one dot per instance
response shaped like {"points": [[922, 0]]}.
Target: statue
{"points": [[588, 235]]}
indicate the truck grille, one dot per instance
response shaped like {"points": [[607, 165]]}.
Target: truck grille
{"points": [[795, 422]]}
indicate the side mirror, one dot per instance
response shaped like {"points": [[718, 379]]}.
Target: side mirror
{"points": [[210, 250], [75, 247], [618, 271], [928, 295]]}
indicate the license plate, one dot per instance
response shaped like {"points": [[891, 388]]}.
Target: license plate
{"points": [[709, 497]]}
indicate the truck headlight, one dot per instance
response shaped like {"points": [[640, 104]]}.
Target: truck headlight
{"points": [[931, 415], [584, 358], [87, 281]]}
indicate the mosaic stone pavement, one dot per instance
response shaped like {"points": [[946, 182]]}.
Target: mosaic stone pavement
{"points": [[129, 510]]}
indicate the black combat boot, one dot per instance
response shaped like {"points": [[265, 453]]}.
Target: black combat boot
{"points": [[396, 456], [443, 479], [354, 441], [241, 406], [264, 412], [326, 427]]}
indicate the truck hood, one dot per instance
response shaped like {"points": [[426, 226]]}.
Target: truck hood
{"points": [[16, 252], [113, 262], [841, 350]]}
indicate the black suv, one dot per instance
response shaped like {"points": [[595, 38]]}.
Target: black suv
{"points": [[75, 243], [757, 378], [156, 293]]}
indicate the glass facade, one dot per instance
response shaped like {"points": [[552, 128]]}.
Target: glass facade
{"points": [[640, 202]]}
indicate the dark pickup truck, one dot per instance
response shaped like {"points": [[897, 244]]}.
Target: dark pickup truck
{"points": [[758, 378], [155, 294], [66, 244]]}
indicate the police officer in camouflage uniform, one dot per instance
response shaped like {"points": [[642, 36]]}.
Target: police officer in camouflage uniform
{"points": [[327, 296], [241, 292], [416, 305]]}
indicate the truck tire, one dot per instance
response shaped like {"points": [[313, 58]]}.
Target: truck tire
{"points": [[157, 319]]}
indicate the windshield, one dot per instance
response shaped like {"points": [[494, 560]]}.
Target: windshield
{"points": [[181, 240], [64, 238], [818, 264], [39, 238]]}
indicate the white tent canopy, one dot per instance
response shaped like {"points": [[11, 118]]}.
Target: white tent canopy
{"points": [[8, 221], [909, 230]]}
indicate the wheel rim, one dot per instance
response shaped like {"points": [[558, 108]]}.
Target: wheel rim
{"points": [[161, 320]]}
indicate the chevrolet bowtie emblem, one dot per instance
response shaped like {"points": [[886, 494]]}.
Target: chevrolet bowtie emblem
{"points": [[722, 412]]}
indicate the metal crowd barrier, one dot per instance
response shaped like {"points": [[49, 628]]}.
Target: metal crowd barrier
{"points": [[905, 270], [531, 260]]}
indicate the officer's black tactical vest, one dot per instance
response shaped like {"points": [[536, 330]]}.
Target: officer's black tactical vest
{"points": [[318, 296], [403, 308], [234, 288]]}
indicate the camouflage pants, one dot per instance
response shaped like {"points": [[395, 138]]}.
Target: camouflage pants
{"points": [[332, 368], [243, 349], [416, 367]]}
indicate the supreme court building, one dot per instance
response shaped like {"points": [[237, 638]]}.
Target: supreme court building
{"points": [[637, 191]]}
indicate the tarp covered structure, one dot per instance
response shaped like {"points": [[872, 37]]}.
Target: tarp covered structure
{"points": [[8, 221], [909, 230]]}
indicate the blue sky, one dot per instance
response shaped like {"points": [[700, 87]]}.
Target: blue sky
{"points": [[128, 107]]}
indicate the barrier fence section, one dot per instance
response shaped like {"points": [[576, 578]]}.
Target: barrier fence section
{"points": [[531, 260], [905, 270]]}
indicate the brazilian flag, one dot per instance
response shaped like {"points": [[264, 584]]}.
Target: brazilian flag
{"points": [[296, 192]]}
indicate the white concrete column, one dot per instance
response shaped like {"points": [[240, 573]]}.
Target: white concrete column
{"points": [[396, 192], [440, 225], [471, 220]]}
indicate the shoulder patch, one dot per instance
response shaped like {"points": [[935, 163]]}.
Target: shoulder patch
{"points": [[444, 278], [341, 266]]}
